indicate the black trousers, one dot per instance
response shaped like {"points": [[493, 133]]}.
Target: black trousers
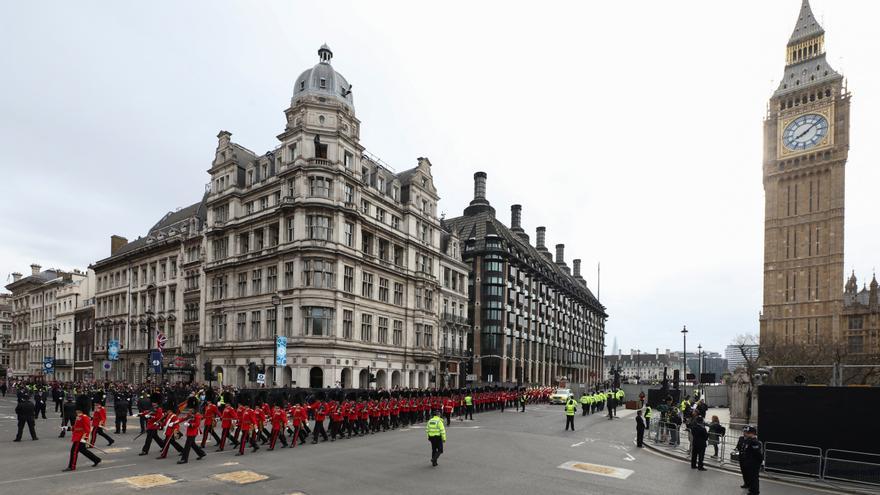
{"points": [[319, 430], [57, 405], [522, 406], [152, 436], [569, 420], [697, 455], [436, 447], [446, 415], [40, 408], [469, 412], [30, 424], [277, 434], [191, 444], [640, 436], [750, 474], [77, 448], [121, 422]]}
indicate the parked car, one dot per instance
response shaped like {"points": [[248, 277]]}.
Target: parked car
{"points": [[560, 396]]}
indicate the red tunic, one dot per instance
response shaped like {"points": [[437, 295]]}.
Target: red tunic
{"points": [[81, 428]]}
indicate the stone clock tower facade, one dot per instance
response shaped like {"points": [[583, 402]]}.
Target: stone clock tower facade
{"points": [[806, 142]]}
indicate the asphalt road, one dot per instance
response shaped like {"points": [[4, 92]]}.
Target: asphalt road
{"points": [[510, 453]]}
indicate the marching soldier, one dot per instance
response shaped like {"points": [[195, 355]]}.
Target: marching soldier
{"points": [[279, 423], [247, 422], [152, 422], [192, 421], [211, 413], [99, 419], [171, 424], [81, 429], [227, 418]]}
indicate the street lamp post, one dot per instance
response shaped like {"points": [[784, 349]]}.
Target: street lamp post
{"points": [[684, 332], [276, 301], [700, 366], [638, 366], [55, 350]]}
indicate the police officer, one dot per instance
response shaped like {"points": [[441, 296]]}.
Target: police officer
{"points": [[469, 406], [648, 413], [585, 403], [68, 415], [750, 459], [640, 429], [121, 406], [570, 408], [26, 414], [436, 436]]}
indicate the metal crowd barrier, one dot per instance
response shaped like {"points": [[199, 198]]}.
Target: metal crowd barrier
{"points": [[847, 465], [793, 458]]}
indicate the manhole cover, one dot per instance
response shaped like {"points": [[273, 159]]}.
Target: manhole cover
{"points": [[148, 480], [240, 477]]}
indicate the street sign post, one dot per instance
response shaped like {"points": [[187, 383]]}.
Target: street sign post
{"points": [[107, 365], [261, 378]]}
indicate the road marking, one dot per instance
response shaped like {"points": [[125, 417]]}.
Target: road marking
{"points": [[64, 474], [147, 480], [464, 427], [116, 450], [629, 457], [578, 444], [229, 464], [586, 467], [240, 477]]}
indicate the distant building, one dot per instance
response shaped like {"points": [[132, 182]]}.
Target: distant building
{"points": [[648, 367], [5, 331], [735, 357]]}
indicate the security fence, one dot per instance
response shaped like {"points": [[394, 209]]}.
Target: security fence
{"points": [[793, 459]]}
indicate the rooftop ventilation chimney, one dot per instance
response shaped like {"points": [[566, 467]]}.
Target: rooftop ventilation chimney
{"points": [[35, 269], [116, 243], [540, 237], [16, 277], [560, 254], [577, 268], [479, 204], [515, 217]]}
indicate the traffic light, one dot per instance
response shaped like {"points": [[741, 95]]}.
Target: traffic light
{"points": [[252, 372], [208, 375], [371, 376]]}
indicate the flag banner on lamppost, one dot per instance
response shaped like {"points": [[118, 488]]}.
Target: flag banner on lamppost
{"points": [[161, 340], [156, 361], [48, 365], [281, 350], [113, 350]]}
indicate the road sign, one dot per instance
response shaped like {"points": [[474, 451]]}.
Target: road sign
{"points": [[161, 340], [471, 378], [48, 365], [179, 361], [261, 378], [107, 365]]}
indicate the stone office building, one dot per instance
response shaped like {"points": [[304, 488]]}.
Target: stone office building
{"points": [[142, 293], [320, 242], [455, 338], [534, 320]]}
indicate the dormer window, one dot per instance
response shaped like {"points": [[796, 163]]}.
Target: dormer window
{"points": [[323, 83]]}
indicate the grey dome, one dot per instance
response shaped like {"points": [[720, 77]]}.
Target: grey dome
{"points": [[334, 85]]}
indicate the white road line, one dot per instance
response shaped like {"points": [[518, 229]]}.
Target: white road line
{"points": [[578, 444], [629, 457], [65, 474]]}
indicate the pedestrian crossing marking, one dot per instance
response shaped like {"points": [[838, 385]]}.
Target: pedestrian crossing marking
{"points": [[241, 477], [586, 467], [147, 480]]}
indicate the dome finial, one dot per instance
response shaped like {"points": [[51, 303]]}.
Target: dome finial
{"points": [[325, 54]]}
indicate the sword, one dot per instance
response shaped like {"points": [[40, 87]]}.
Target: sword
{"points": [[92, 446], [138, 436]]}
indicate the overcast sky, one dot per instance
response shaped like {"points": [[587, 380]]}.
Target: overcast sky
{"points": [[632, 130]]}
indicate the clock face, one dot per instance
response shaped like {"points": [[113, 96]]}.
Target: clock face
{"points": [[805, 132]]}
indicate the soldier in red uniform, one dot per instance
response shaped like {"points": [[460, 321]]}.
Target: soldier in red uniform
{"points": [[247, 422], [279, 423], [81, 429], [320, 415], [154, 421], [99, 419], [448, 407], [192, 420], [335, 421], [300, 416], [227, 418], [171, 424], [211, 413]]}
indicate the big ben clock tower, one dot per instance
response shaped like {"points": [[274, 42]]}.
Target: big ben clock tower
{"points": [[806, 141]]}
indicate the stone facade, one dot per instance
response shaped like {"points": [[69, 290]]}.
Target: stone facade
{"points": [[140, 296], [69, 299], [860, 318], [455, 337], [806, 143], [323, 243], [5, 332], [35, 331]]}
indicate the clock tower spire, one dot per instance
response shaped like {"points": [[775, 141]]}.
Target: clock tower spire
{"points": [[806, 141]]}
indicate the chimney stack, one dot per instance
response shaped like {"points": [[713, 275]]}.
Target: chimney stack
{"points": [[480, 186], [540, 236], [116, 243], [560, 254], [667, 353], [657, 354], [479, 204], [577, 268], [515, 217], [16, 277], [35, 269]]}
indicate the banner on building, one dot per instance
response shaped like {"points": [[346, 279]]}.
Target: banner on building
{"points": [[156, 361], [281, 350], [48, 365], [113, 350], [161, 340]]}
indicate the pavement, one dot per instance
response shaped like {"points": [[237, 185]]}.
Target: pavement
{"points": [[511, 453]]}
